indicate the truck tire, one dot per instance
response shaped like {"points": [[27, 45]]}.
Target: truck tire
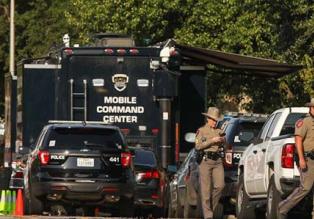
{"points": [[243, 210], [219, 211], [273, 199]]}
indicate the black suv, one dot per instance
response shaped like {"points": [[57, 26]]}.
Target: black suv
{"points": [[240, 133], [76, 164]]}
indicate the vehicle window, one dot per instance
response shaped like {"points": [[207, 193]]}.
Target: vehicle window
{"points": [[273, 125], [41, 137], [74, 138], [145, 158], [244, 133], [186, 160], [289, 125], [265, 128]]}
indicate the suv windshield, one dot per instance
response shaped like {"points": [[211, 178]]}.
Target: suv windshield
{"points": [[76, 138], [145, 158], [242, 133]]}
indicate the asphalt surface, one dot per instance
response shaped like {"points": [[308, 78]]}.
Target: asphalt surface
{"points": [[76, 217]]}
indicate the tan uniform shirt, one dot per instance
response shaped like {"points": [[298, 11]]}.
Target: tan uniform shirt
{"points": [[204, 137], [305, 129]]}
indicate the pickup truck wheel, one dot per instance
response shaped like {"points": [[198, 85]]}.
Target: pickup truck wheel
{"points": [[243, 210], [273, 200]]}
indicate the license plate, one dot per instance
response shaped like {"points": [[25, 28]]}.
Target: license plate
{"points": [[85, 162]]}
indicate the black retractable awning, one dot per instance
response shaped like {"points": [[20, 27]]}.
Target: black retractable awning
{"points": [[251, 65]]}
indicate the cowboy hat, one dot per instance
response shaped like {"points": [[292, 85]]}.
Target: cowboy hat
{"points": [[213, 113]]}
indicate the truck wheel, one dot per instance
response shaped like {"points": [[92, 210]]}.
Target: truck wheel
{"points": [[273, 200], [219, 211], [243, 210]]}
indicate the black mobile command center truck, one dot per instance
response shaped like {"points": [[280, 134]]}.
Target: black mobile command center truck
{"points": [[153, 94]]}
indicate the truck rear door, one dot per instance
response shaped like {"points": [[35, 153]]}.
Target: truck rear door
{"points": [[112, 88]]}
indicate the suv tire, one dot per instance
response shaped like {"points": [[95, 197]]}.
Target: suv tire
{"points": [[273, 199], [243, 210], [33, 205], [128, 208]]}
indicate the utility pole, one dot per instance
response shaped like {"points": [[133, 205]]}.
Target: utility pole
{"points": [[10, 101], [12, 40]]}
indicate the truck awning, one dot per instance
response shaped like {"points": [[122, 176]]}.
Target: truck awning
{"points": [[251, 65]]}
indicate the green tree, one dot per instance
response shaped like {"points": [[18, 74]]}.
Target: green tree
{"points": [[149, 19]]}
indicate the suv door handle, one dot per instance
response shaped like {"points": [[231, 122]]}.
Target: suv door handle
{"points": [[264, 150], [255, 151]]}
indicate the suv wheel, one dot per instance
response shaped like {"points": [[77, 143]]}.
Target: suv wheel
{"points": [[32, 205], [273, 200], [243, 210], [128, 208]]}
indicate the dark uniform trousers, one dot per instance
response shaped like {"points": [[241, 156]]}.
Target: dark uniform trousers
{"points": [[306, 183], [211, 176]]}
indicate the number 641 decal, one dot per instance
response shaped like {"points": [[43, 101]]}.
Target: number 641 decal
{"points": [[114, 159]]}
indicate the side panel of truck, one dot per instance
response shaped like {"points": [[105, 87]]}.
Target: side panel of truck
{"points": [[193, 101], [35, 102]]}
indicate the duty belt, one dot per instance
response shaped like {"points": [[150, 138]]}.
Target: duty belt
{"points": [[309, 154], [211, 155]]}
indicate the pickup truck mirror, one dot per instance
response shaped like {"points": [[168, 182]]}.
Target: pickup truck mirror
{"points": [[190, 137]]}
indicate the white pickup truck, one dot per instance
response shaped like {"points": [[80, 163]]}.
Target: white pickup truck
{"points": [[267, 169]]}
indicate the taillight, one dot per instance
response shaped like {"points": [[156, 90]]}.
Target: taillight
{"points": [[19, 175], [44, 157], [287, 156], [125, 159], [228, 158], [68, 51], [151, 174]]}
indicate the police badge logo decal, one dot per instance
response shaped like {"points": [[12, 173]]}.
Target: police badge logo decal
{"points": [[120, 81]]}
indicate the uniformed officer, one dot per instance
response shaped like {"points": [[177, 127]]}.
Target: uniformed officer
{"points": [[304, 141], [211, 171]]}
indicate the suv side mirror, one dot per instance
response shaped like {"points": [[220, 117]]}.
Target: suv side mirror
{"points": [[190, 137], [24, 150], [172, 168]]}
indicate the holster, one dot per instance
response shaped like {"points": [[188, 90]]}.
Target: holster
{"points": [[199, 154], [309, 154]]}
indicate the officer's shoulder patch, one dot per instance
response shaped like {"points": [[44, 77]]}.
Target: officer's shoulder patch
{"points": [[299, 123]]}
